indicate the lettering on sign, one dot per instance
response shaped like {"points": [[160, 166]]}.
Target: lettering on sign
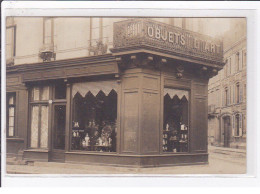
{"points": [[136, 32]]}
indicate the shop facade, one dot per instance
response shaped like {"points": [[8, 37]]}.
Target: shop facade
{"points": [[144, 104]]}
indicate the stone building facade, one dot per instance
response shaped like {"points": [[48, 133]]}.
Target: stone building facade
{"points": [[227, 92], [110, 91]]}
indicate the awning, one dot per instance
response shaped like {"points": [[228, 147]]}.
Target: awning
{"points": [[179, 93], [94, 87]]}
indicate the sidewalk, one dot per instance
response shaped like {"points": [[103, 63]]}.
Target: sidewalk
{"points": [[221, 161], [224, 149]]}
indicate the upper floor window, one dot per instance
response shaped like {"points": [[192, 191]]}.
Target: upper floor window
{"points": [[48, 31], [226, 96], [99, 37], [10, 44], [237, 93], [230, 66], [238, 125], [47, 51], [10, 114], [217, 98], [237, 61], [244, 58]]}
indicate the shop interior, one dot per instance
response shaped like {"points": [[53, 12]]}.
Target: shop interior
{"points": [[176, 126], [94, 122]]}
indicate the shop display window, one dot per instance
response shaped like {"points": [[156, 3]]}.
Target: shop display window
{"points": [[94, 121], [176, 122]]}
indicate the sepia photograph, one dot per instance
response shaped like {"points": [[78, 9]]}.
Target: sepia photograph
{"points": [[126, 95]]}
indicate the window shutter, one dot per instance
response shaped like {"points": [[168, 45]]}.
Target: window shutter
{"points": [[233, 125], [229, 98], [234, 94], [240, 124], [241, 93], [240, 60], [223, 98]]}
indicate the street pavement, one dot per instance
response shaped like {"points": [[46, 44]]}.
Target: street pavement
{"points": [[221, 161]]}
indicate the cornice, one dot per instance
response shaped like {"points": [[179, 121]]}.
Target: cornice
{"points": [[169, 54], [107, 58]]}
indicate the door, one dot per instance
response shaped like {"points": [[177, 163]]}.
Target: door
{"points": [[58, 133], [227, 132]]}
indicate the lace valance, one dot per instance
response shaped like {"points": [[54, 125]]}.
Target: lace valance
{"points": [[179, 93], [94, 87]]}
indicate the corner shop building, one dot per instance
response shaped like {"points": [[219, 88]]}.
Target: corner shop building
{"points": [[144, 104]]}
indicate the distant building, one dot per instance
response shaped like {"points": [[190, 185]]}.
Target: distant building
{"points": [[227, 92]]}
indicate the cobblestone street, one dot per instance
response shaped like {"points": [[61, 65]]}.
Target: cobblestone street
{"points": [[221, 161]]}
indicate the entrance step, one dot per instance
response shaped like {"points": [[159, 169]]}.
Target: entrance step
{"points": [[11, 160], [15, 161]]}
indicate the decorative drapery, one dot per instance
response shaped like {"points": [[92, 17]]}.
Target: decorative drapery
{"points": [[44, 127], [94, 87], [34, 126], [179, 93]]}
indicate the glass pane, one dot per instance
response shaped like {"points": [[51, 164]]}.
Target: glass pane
{"points": [[60, 91], [175, 126], [11, 111], [9, 36], [94, 122], [11, 121], [44, 126], [9, 51], [45, 93], [59, 126], [95, 36], [34, 126], [36, 93], [47, 40], [11, 131], [47, 31], [11, 100]]}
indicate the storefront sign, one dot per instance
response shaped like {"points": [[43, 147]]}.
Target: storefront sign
{"points": [[173, 39]]}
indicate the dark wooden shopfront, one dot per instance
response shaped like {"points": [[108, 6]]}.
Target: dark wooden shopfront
{"points": [[157, 78]]}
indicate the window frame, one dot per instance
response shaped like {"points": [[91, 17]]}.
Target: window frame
{"points": [[238, 88], [13, 54], [238, 128], [45, 19], [72, 113], [8, 95], [237, 62], [226, 96], [189, 121], [244, 58], [38, 103]]}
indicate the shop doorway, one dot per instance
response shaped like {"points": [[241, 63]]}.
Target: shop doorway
{"points": [[58, 133], [227, 128]]}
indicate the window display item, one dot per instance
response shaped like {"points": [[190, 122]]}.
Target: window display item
{"points": [[175, 133]]}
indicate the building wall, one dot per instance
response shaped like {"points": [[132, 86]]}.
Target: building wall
{"points": [[233, 73], [71, 36]]}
